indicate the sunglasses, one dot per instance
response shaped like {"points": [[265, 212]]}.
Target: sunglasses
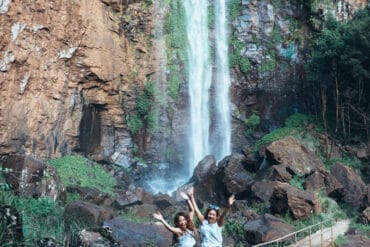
{"points": [[214, 207]]}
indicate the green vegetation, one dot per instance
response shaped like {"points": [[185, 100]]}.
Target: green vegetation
{"points": [[252, 123], [176, 46], [145, 115], [234, 8], [338, 72], [41, 217], [77, 170], [364, 229], [297, 181], [133, 218], [235, 58], [295, 126], [340, 240], [235, 230]]}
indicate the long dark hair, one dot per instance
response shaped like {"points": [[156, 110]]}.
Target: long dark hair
{"points": [[189, 225]]}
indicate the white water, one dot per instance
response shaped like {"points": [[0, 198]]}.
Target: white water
{"points": [[199, 79], [222, 80]]}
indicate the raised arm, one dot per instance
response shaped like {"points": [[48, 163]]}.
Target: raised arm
{"points": [[230, 202], [195, 206], [174, 230], [188, 202]]}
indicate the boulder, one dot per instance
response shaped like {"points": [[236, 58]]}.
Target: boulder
{"points": [[207, 182], [364, 217], [92, 195], [33, 177], [354, 188], [298, 159], [261, 191], [301, 204], [265, 228], [87, 214], [252, 160], [277, 173], [322, 180], [127, 233], [235, 178]]}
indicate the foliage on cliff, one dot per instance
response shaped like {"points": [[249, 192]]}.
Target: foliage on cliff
{"points": [[338, 81]]}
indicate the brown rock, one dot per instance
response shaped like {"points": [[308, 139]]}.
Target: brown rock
{"points": [[87, 214], [294, 155], [301, 204], [354, 187], [322, 180]]}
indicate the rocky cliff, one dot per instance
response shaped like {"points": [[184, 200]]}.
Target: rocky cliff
{"points": [[71, 72]]}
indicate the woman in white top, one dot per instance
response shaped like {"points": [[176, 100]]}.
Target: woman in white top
{"points": [[185, 233], [211, 222]]}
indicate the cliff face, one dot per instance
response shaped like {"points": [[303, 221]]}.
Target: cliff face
{"points": [[68, 74], [275, 37]]}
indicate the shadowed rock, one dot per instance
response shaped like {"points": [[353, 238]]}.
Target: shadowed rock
{"points": [[354, 187], [33, 178], [265, 228], [301, 204], [87, 214], [324, 180], [127, 233]]}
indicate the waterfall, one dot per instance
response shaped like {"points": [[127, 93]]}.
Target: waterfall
{"points": [[199, 78], [222, 145]]}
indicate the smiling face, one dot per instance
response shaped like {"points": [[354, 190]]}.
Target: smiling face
{"points": [[182, 222], [212, 216]]}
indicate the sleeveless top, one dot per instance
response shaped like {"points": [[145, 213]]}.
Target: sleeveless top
{"points": [[210, 234], [186, 240]]}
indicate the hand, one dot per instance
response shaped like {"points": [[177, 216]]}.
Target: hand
{"points": [[191, 191], [184, 195], [158, 216], [231, 200]]}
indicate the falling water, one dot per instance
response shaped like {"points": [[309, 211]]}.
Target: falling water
{"points": [[199, 78], [222, 146]]}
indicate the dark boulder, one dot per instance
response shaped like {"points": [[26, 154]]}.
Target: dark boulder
{"points": [[265, 228], [354, 188]]}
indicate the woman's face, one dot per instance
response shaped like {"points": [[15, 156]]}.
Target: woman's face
{"points": [[182, 222], [212, 216]]}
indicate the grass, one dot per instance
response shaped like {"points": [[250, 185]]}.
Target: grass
{"points": [[41, 218], [77, 170]]}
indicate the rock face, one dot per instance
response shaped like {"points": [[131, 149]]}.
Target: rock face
{"points": [[69, 74]]}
